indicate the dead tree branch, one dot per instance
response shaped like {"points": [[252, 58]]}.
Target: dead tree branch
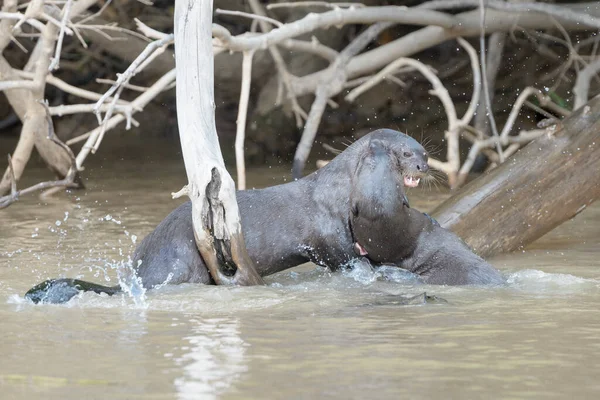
{"points": [[215, 214], [582, 84], [331, 85]]}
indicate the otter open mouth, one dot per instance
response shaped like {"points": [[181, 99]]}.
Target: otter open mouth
{"points": [[410, 181], [359, 250]]}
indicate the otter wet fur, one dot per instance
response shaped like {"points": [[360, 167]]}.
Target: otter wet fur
{"points": [[386, 229], [312, 219]]}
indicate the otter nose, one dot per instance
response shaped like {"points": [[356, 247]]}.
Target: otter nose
{"points": [[423, 167]]}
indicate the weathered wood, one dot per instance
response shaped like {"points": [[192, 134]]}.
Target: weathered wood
{"points": [[546, 183], [215, 214]]}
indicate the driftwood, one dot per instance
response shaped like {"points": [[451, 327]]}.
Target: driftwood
{"points": [[548, 182], [48, 23], [215, 214]]}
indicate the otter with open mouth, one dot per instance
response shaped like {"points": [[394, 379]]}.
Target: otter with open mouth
{"points": [[319, 218], [387, 231]]}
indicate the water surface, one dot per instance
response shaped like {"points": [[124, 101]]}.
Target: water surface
{"points": [[308, 334]]}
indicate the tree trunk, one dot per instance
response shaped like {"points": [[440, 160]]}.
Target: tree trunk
{"points": [[546, 183], [215, 214]]}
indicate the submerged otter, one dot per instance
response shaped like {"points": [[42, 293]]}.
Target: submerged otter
{"points": [[286, 225]]}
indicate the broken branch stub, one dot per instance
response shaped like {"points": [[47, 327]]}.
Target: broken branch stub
{"points": [[215, 214]]}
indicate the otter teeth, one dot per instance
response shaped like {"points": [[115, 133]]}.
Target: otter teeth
{"points": [[411, 182], [359, 250]]}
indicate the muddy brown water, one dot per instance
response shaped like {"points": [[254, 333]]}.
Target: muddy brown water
{"points": [[307, 334]]}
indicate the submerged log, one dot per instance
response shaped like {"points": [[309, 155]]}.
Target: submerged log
{"points": [[546, 183]]}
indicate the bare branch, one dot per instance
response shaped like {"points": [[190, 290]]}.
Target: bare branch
{"points": [[149, 32], [62, 109], [582, 84], [313, 47], [548, 9], [67, 181], [336, 17], [137, 104], [13, 180], [64, 86], [63, 26], [286, 77], [496, 45], [133, 69], [97, 14], [327, 88], [486, 90], [20, 17], [8, 85], [240, 133], [248, 15], [314, 4], [466, 119], [466, 24]]}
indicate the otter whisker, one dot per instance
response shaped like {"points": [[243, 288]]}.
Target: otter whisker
{"points": [[331, 149]]}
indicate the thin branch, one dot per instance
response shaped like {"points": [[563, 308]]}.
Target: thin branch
{"points": [[129, 86], [20, 17], [100, 28], [149, 32], [63, 26], [34, 9], [466, 119], [97, 14], [466, 24], [512, 117], [248, 15], [438, 88], [137, 104], [13, 180], [327, 88], [67, 181], [29, 85], [62, 109], [544, 8], [313, 47], [285, 76], [486, 89], [133, 69], [314, 4], [582, 84], [64, 86], [337, 17], [504, 139], [496, 43], [240, 133]]}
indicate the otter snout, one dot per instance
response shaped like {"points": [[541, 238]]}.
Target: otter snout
{"points": [[423, 167]]}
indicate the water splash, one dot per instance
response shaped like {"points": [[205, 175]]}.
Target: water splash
{"points": [[532, 280], [363, 272], [131, 283]]}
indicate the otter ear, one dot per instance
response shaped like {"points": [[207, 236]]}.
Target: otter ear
{"points": [[376, 146]]}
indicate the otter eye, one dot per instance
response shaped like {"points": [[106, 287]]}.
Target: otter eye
{"points": [[407, 154]]}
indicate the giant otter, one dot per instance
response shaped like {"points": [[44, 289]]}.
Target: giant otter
{"points": [[285, 225], [387, 230]]}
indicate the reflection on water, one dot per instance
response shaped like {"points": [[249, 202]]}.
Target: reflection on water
{"points": [[214, 361], [308, 334]]}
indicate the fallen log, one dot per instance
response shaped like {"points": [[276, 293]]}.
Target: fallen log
{"points": [[546, 183]]}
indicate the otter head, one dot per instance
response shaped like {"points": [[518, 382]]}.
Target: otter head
{"points": [[389, 161]]}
